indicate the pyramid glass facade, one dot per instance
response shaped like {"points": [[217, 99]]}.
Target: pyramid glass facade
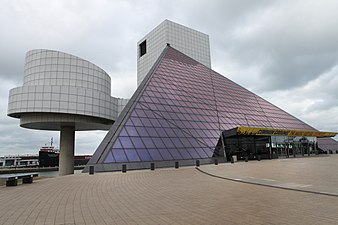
{"points": [[328, 145], [179, 112]]}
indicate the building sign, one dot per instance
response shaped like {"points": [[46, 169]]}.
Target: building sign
{"points": [[272, 132], [281, 132]]}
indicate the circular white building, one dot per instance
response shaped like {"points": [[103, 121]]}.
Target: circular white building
{"points": [[63, 92]]}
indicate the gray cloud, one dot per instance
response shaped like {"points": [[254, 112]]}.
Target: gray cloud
{"points": [[291, 43]]}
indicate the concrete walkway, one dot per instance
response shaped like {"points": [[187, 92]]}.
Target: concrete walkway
{"points": [[304, 176], [180, 196]]}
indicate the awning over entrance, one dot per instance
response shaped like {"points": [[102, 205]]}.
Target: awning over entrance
{"points": [[260, 131]]}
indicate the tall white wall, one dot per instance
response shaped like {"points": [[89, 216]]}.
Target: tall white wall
{"points": [[188, 41]]}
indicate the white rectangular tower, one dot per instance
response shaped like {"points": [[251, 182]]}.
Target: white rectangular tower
{"points": [[188, 41]]}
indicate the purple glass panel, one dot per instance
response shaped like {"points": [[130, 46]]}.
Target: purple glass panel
{"points": [[158, 142], [166, 115], [155, 123], [119, 155], [117, 144], [109, 158], [164, 123], [170, 132], [131, 131], [165, 154], [179, 123], [194, 133], [208, 151], [123, 132], [194, 142], [144, 155], [177, 142], [126, 142], [181, 116], [129, 123], [136, 121], [145, 99], [151, 106], [141, 107], [157, 94], [201, 152], [156, 101], [178, 132], [160, 107], [132, 155], [185, 154], [155, 155], [175, 153], [186, 142], [211, 142], [189, 125], [151, 131], [142, 131], [201, 133], [148, 143], [140, 113], [168, 143], [186, 133], [146, 122], [161, 132], [133, 114], [137, 142], [214, 133], [173, 116], [149, 114], [193, 153]]}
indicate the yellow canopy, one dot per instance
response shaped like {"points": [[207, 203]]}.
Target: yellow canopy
{"points": [[282, 132]]}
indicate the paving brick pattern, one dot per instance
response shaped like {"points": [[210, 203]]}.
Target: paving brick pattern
{"points": [[314, 174], [177, 196]]}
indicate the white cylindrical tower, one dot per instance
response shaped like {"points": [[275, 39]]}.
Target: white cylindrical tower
{"points": [[63, 92]]}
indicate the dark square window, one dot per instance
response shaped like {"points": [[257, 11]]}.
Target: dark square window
{"points": [[143, 48]]}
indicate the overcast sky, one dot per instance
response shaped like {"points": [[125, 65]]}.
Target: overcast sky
{"points": [[285, 51]]}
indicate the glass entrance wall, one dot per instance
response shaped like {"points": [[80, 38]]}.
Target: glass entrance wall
{"points": [[293, 145], [247, 146], [267, 147]]}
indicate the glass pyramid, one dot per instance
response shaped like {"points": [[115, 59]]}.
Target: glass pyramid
{"points": [[328, 145], [178, 113]]}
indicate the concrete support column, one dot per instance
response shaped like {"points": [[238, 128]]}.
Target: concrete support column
{"points": [[66, 158]]}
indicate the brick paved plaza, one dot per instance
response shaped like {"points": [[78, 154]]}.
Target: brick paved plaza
{"points": [[184, 195]]}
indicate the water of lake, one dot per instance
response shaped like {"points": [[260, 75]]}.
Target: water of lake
{"points": [[53, 173]]}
